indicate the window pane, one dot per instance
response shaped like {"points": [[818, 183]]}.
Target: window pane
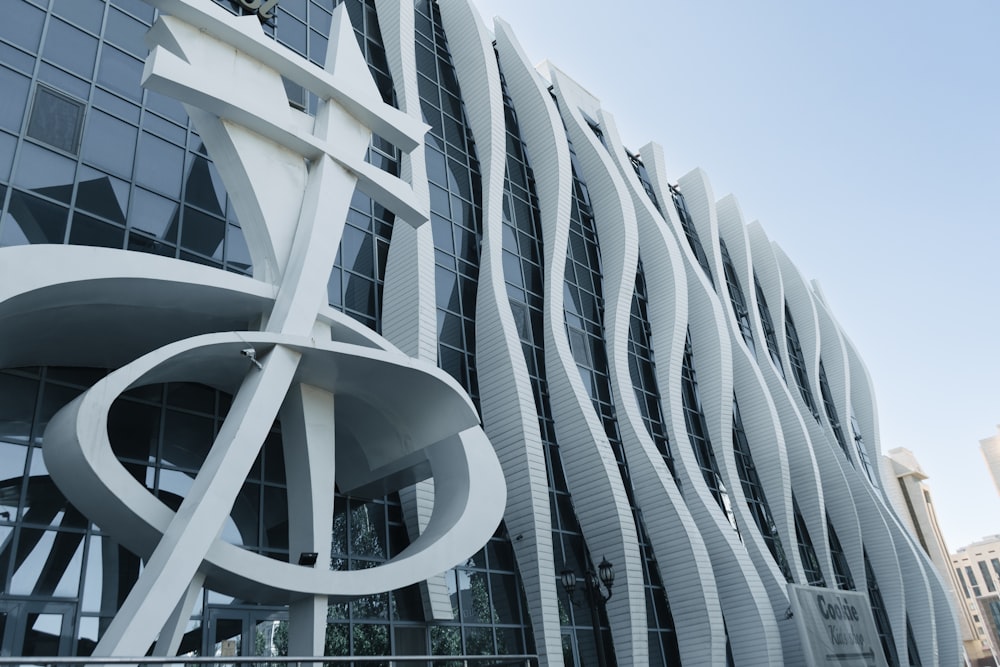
{"points": [[22, 25], [32, 220], [160, 165], [55, 119], [109, 143], [86, 14], [70, 48], [45, 172], [121, 73], [86, 230], [14, 99]]}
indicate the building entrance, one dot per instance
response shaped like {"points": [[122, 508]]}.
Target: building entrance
{"points": [[245, 631], [35, 627]]}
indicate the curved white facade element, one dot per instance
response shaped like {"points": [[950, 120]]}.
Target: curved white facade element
{"points": [[613, 317]]}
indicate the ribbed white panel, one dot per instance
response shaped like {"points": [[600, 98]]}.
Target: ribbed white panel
{"points": [[408, 307], [653, 160], [691, 590], [753, 628], [802, 464], [842, 482], [763, 430], [601, 506], [829, 456], [596, 471], [862, 396], [509, 413]]}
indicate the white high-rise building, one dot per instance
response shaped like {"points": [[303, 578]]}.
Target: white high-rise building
{"points": [[991, 452], [977, 567], [912, 497]]}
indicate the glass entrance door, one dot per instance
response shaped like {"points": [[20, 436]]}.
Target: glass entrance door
{"points": [[246, 631], [33, 627]]}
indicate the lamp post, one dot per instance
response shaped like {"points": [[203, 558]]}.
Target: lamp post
{"points": [[595, 598]]}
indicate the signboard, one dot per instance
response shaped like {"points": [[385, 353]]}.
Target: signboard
{"points": [[837, 627]]}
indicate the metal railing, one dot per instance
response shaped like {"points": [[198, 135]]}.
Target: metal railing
{"points": [[519, 660]]}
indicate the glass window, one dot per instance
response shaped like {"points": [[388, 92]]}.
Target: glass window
{"points": [[14, 99], [33, 220], [56, 119], [86, 230], [124, 31], [160, 165], [104, 195], [237, 252], [85, 14], [121, 73], [109, 143], [70, 48], [204, 186], [12, 460], [202, 233], [22, 25], [154, 214], [33, 576]]}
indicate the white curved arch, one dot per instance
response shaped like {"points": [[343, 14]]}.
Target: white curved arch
{"points": [[379, 428]]}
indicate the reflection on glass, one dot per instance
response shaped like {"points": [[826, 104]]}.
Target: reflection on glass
{"points": [[48, 563]]}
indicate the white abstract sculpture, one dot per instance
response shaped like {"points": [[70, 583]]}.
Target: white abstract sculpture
{"points": [[352, 407]]}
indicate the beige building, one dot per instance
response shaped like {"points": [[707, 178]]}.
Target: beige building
{"points": [[991, 452], [912, 497], [977, 567]]}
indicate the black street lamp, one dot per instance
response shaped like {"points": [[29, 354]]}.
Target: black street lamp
{"points": [[595, 598]]}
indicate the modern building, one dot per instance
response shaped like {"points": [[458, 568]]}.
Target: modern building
{"points": [[977, 567], [991, 452], [662, 388], [912, 499]]}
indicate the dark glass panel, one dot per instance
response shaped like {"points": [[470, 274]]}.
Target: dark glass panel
{"points": [[86, 230], [134, 430], [807, 553], [99, 194], [154, 214], [17, 407], [203, 234], [204, 187], [46, 172]]}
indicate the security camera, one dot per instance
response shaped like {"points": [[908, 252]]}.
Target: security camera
{"points": [[251, 354]]}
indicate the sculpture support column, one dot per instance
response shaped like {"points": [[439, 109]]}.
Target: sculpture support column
{"points": [[308, 434]]}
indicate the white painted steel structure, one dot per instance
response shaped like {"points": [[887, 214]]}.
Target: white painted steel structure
{"points": [[398, 420]]}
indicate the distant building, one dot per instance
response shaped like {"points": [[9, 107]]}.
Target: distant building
{"points": [[977, 567], [991, 452], [912, 497]]}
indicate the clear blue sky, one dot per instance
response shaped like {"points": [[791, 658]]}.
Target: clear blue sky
{"points": [[864, 136]]}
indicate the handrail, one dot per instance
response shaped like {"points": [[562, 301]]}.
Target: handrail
{"points": [[528, 660]]}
